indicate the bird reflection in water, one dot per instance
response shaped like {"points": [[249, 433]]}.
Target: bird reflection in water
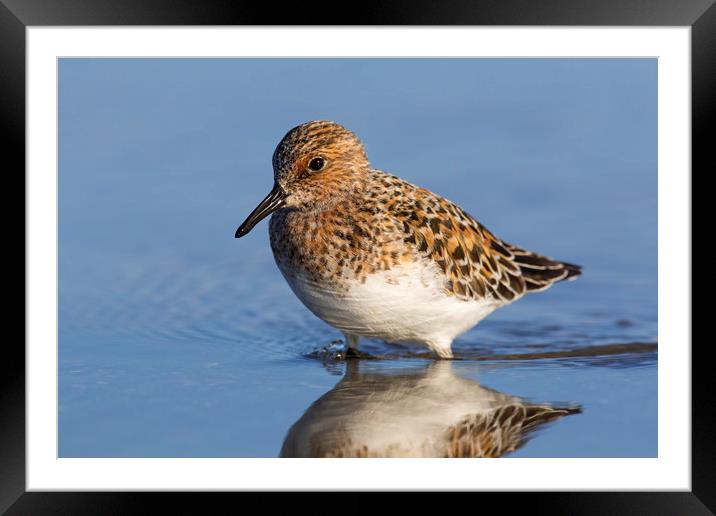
{"points": [[429, 412]]}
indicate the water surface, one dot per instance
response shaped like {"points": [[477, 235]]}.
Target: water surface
{"points": [[177, 340]]}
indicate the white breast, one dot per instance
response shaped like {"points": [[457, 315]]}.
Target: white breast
{"points": [[405, 304]]}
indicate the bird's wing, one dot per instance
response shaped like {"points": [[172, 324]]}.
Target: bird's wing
{"points": [[499, 431], [476, 264]]}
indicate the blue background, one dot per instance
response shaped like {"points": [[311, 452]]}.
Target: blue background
{"points": [[178, 340]]}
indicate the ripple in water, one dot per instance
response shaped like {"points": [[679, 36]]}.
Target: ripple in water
{"points": [[167, 301]]}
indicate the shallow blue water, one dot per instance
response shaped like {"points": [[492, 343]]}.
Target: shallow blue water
{"points": [[177, 340]]}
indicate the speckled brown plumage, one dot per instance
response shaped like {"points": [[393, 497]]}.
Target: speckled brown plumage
{"points": [[338, 222], [501, 431], [360, 220]]}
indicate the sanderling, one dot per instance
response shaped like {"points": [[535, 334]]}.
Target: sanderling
{"points": [[416, 413], [375, 256]]}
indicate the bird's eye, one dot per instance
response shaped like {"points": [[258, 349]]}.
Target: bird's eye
{"points": [[317, 164]]}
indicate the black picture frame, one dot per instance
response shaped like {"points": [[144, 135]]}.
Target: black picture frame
{"points": [[16, 15]]}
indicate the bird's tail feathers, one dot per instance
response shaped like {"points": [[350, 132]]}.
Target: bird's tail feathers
{"points": [[539, 272]]}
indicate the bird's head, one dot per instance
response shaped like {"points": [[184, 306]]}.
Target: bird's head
{"points": [[314, 166]]}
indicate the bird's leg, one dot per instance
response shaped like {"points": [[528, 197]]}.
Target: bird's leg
{"points": [[442, 348], [352, 351], [352, 341]]}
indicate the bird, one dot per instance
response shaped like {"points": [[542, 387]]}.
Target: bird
{"points": [[376, 256], [403, 413]]}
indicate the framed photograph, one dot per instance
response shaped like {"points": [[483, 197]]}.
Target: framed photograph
{"points": [[263, 252]]}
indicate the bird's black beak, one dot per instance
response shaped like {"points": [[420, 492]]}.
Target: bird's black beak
{"points": [[273, 201]]}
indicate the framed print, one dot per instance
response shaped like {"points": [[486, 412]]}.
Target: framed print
{"points": [[166, 352]]}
